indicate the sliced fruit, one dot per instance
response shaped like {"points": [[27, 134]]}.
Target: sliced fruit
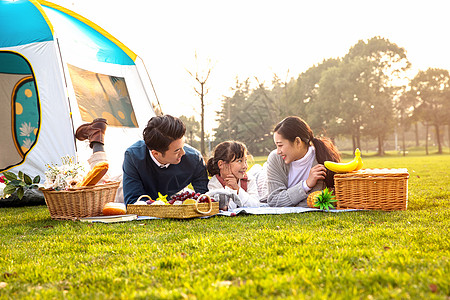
{"points": [[189, 201]]}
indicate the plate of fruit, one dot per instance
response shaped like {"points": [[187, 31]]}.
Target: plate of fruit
{"points": [[187, 197], [183, 205]]}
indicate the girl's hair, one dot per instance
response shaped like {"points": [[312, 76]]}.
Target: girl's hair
{"points": [[293, 127], [227, 151]]}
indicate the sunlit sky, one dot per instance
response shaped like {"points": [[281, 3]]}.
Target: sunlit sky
{"points": [[247, 39]]}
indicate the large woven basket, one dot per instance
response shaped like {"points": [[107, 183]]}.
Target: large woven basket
{"points": [[375, 189], [87, 201], [175, 211]]}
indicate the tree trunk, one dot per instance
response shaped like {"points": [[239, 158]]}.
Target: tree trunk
{"points": [[202, 135], [403, 142], [380, 146], [358, 141], [448, 132], [426, 139], [438, 138], [416, 126], [354, 142]]}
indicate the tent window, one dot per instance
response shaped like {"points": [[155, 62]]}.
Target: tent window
{"points": [[20, 109], [102, 96]]}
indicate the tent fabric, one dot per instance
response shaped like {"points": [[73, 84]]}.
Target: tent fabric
{"points": [[9, 149], [53, 140], [40, 45], [14, 63], [87, 41], [22, 22]]}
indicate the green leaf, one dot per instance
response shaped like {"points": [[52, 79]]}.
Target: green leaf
{"points": [[27, 179], [20, 174], [20, 193], [37, 179], [9, 189], [10, 175], [15, 182]]}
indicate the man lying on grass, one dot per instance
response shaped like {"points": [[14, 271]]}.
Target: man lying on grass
{"points": [[162, 162]]}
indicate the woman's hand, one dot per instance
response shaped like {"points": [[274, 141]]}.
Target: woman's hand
{"points": [[318, 172]]}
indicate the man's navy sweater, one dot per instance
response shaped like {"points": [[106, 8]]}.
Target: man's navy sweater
{"points": [[142, 176]]}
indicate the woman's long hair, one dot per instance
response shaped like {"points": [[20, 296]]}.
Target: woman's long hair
{"points": [[292, 127]]}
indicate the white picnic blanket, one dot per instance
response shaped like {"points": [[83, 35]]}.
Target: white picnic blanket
{"points": [[267, 210]]}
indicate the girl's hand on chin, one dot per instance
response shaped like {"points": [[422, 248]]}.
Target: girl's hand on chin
{"points": [[231, 182]]}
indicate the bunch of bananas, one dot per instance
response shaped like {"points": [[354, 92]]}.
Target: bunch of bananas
{"points": [[351, 166]]}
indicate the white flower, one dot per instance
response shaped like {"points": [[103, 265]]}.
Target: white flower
{"points": [[2, 194], [26, 129], [27, 143], [64, 177]]}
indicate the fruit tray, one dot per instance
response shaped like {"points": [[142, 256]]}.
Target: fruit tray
{"points": [[183, 211], [373, 189]]}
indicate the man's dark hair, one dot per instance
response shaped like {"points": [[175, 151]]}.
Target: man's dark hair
{"points": [[161, 131]]}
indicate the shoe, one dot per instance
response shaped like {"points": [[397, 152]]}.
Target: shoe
{"points": [[94, 131]]}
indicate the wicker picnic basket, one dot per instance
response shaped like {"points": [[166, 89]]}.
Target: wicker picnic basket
{"points": [[375, 189], [175, 211], [86, 201]]}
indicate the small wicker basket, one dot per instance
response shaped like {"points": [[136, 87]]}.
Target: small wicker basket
{"points": [[86, 201], [375, 189], [175, 211]]}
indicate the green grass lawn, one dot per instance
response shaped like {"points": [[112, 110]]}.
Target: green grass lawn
{"points": [[352, 255]]}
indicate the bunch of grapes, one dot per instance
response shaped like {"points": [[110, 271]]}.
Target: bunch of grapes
{"points": [[188, 195]]}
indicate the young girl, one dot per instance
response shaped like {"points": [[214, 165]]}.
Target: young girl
{"points": [[227, 169], [296, 168]]}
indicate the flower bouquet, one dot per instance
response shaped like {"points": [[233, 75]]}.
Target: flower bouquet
{"points": [[64, 177]]}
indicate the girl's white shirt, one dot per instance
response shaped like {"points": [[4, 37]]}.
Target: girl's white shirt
{"points": [[248, 198]]}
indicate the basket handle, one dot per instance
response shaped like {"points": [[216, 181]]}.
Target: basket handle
{"points": [[210, 206], [143, 196]]}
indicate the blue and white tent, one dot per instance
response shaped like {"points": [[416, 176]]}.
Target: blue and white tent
{"points": [[59, 70]]}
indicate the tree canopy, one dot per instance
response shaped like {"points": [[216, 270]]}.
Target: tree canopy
{"points": [[363, 93]]}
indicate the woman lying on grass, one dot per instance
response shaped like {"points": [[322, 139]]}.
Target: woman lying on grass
{"points": [[296, 168]]}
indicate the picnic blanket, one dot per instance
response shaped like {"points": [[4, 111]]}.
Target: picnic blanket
{"points": [[264, 210], [267, 210]]}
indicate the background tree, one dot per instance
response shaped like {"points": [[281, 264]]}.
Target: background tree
{"points": [[342, 95], [431, 89], [303, 96], [245, 116], [404, 107], [387, 63], [362, 96], [201, 92], [192, 130]]}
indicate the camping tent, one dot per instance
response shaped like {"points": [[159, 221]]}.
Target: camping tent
{"points": [[59, 70]]}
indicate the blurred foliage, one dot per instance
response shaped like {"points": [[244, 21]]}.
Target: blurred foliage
{"points": [[364, 95]]}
